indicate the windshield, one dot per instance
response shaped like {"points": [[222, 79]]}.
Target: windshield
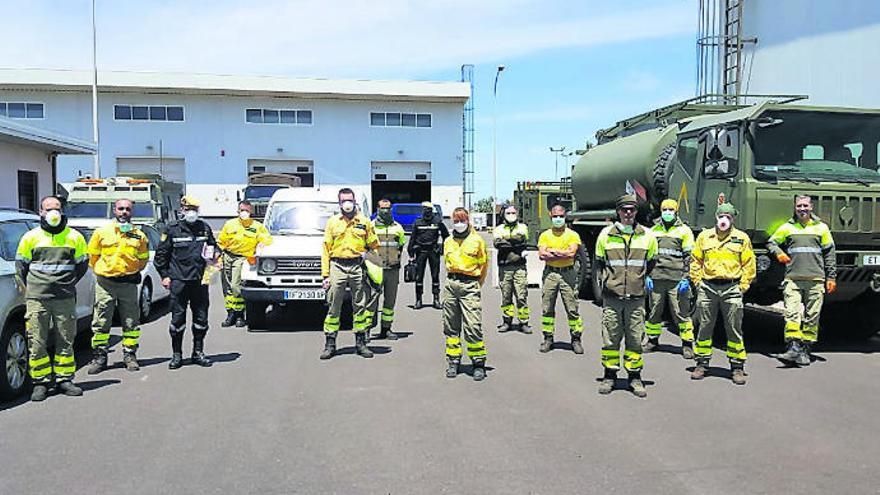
{"points": [[814, 146], [289, 217], [104, 210], [261, 192]]}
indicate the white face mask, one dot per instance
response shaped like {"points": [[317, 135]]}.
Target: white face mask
{"points": [[191, 216], [53, 218], [558, 222], [460, 226], [723, 223], [348, 206], [244, 214], [510, 217]]}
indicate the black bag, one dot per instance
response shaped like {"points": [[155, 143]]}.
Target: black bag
{"points": [[409, 272]]}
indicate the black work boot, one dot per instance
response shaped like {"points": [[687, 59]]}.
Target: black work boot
{"points": [[176, 361], [479, 371], [198, 356], [652, 344], [803, 358], [547, 344], [329, 346], [99, 361], [607, 383], [506, 324], [230, 319], [386, 333], [176, 351], [452, 368], [418, 304], [68, 388], [792, 351], [39, 393], [436, 302], [130, 361], [239, 319], [635, 383], [360, 345], [700, 370], [576, 345]]}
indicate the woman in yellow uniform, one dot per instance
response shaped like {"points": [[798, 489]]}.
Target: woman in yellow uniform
{"points": [[466, 262]]}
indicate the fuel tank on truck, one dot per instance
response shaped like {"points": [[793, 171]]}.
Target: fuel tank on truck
{"points": [[601, 175]]}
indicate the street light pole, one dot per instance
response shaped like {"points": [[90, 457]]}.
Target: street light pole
{"points": [[96, 169], [495, 143], [557, 151]]}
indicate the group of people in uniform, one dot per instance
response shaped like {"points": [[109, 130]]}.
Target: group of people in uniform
{"points": [[641, 271]]}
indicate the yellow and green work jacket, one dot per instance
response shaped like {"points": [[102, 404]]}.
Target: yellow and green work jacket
{"points": [[392, 238], [466, 256], [347, 239], [510, 241], [625, 260], [810, 247], [113, 253], [241, 237], [728, 257], [674, 246], [51, 265]]}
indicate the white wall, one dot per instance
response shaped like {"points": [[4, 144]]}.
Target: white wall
{"points": [[821, 48], [15, 157]]}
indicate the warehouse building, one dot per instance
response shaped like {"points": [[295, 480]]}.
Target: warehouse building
{"points": [[400, 139]]}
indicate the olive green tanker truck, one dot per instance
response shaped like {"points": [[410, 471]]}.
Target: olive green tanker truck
{"points": [[757, 157]]}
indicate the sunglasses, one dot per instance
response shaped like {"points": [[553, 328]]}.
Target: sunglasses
{"points": [[628, 209]]}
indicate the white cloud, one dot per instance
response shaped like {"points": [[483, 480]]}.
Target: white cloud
{"points": [[317, 37]]}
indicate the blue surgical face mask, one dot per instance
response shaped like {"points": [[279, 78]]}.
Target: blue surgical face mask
{"points": [[668, 216], [558, 222], [125, 227]]}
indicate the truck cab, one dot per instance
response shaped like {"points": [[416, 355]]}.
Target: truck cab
{"points": [[262, 186], [288, 271], [156, 201]]}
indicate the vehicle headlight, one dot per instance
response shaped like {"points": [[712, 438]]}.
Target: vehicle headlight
{"points": [[268, 265]]}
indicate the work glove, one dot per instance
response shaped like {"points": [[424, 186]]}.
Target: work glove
{"points": [[831, 286], [649, 284], [683, 286], [783, 258]]}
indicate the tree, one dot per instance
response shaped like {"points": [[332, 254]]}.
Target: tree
{"points": [[483, 205]]}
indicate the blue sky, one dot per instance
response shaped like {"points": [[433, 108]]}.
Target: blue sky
{"points": [[571, 66]]}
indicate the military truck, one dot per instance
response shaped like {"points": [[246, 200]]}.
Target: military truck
{"points": [[156, 200], [262, 186], [757, 157], [534, 200]]}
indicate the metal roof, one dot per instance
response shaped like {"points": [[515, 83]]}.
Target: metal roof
{"points": [[13, 132], [234, 85]]}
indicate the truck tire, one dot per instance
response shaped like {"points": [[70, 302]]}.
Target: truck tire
{"points": [[595, 283], [858, 319], [585, 281], [663, 171], [255, 314]]}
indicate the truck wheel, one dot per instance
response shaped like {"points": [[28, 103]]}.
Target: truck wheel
{"points": [[857, 319], [595, 283], [255, 314], [585, 281], [14, 378], [662, 171]]}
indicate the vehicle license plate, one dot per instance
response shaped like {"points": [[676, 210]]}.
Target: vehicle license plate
{"points": [[871, 259], [304, 294]]}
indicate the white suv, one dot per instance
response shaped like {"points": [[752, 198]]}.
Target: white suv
{"points": [[289, 269]]}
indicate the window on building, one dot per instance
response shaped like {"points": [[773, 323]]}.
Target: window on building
{"points": [[27, 190], [22, 110], [396, 119], [157, 113], [277, 116]]}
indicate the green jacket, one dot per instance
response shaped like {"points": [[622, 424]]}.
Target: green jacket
{"points": [[51, 265], [625, 260], [510, 241], [810, 247], [674, 246]]}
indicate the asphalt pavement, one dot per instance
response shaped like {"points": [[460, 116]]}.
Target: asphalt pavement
{"points": [[271, 418]]}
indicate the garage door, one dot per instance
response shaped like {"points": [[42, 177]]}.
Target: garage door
{"points": [[170, 168]]}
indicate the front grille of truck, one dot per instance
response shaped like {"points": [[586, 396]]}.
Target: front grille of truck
{"points": [[297, 266], [849, 213], [260, 210]]}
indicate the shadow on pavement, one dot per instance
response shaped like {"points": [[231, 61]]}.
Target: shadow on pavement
{"points": [[764, 331], [377, 349], [96, 384], [226, 357], [87, 386]]}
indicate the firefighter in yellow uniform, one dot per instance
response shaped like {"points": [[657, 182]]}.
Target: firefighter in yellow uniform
{"points": [[675, 241], [238, 240], [625, 253], [50, 260], [118, 252], [347, 237], [466, 269], [722, 269], [805, 246], [558, 248], [391, 241]]}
